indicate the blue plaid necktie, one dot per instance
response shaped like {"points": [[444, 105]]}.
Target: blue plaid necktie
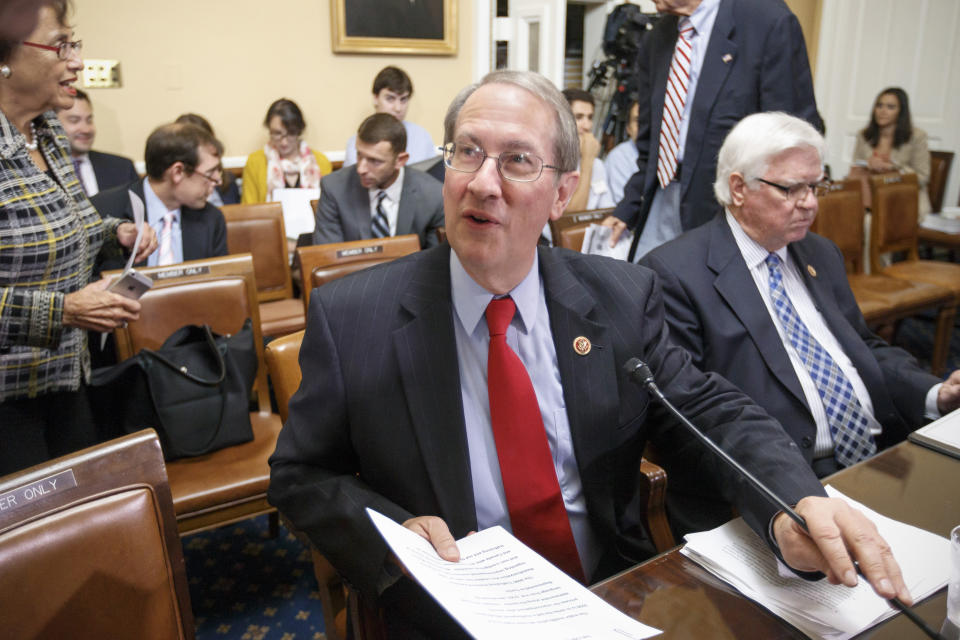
{"points": [[848, 424], [381, 226]]}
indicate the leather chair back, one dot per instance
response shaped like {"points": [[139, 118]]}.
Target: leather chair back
{"points": [[895, 216], [940, 162], [258, 229], [840, 218], [323, 263], [568, 230], [89, 547], [284, 366]]}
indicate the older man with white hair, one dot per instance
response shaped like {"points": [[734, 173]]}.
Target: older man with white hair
{"points": [[755, 297]]}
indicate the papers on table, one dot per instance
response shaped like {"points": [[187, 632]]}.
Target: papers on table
{"points": [[501, 589], [942, 435], [734, 553], [297, 212], [941, 222], [596, 241]]}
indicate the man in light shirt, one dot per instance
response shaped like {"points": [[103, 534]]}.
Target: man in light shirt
{"points": [[96, 170], [755, 297]]}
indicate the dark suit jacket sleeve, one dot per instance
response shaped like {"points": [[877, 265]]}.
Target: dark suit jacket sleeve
{"points": [[315, 462], [786, 83], [436, 221], [329, 227], [218, 239]]}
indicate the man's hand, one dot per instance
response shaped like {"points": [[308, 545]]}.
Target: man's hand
{"points": [[93, 307], [948, 398], [435, 530], [617, 226], [127, 235], [838, 532], [589, 148]]}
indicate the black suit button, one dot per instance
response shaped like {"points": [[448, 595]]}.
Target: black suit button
{"points": [[806, 442]]}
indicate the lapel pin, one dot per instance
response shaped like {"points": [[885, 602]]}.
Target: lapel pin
{"points": [[727, 58], [582, 345], [811, 270]]}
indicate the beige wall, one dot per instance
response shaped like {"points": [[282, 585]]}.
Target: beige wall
{"points": [[229, 59], [808, 14]]}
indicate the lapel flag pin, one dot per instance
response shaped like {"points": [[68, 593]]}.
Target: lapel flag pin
{"points": [[582, 345], [727, 58], [811, 270]]}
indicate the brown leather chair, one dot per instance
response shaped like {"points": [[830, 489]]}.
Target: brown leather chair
{"points": [[258, 229], [228, 485], [89, 547], [882, 299], [568, 230], [940, 162], [322, 263]]}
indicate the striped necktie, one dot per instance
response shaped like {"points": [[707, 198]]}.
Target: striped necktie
{"points": [[381, 226], [852, 441], [166, 241], [673, 101]]}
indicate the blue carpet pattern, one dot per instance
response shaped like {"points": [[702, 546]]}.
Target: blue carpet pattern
{"points": [[245, 585]]}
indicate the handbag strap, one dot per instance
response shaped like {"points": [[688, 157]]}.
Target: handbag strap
{"points": [[183, 370]]}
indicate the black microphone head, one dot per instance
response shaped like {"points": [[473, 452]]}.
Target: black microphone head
{"points": [[638, 371]]}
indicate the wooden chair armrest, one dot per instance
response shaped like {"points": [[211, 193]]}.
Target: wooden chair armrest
{"points": [[653, 481]]}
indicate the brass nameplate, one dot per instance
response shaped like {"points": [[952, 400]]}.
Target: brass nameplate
{"points": [[180, 272], [359, 251], [37, 490]]}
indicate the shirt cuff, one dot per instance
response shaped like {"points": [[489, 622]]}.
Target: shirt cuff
{"points": [[932, 411]]}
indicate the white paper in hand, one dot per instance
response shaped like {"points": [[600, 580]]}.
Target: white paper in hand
{"points": [[596, 241], [501, 589]]}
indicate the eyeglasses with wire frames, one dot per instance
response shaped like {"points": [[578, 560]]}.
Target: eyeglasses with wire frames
{"points": [[64, 49], [797, 192], [277, 136], [517, 166], [214, 175]]}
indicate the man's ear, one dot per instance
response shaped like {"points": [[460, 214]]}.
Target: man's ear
{"points": [[738, 186], [566, 185], [402, 159], [176, 172]]}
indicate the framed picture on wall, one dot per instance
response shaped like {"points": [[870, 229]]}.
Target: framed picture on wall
{"points": [[394, 26]]}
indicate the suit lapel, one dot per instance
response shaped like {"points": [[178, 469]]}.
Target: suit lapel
{"points": [[719, 59], [358, 201], [589, 381], [427, 356], [658, 81], [735, 285], [192, 236], [408, 203]]}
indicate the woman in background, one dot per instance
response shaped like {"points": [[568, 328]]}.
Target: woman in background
{"points": [[890, 142], [285, 161], [227, 192], [50, 236]]}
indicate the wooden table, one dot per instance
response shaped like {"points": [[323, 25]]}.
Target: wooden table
{"points": [[906, 482]]}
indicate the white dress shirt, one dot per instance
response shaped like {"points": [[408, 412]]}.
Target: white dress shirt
{"points": [[87, 177]]}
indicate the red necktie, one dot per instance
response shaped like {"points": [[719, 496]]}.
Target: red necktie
{"points": [[537, 513], [673, 101]]}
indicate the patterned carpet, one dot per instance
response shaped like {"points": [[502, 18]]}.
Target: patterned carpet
{"points": [[245, 585]]}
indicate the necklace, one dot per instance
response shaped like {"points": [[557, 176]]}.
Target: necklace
{"points": [[32, 146]]}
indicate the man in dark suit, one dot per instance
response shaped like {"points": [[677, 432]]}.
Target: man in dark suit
{"points": [[395, 412], [183, 167], [745, 56], [97, 171], [723, 309], [378, 196]]}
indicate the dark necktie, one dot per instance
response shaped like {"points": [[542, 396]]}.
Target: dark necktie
{"points": [[537, 513], [76, 170], [381, 226]]}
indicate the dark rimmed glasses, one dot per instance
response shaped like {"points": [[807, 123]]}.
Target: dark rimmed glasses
{"points": [[799, 191]]}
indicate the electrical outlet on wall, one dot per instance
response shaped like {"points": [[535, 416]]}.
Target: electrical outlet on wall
{"points": [[101, 74]]}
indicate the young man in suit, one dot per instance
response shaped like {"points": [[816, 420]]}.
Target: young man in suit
{"points": [[754, 297], [183, 167], [97, 171], [735, 57], [480, 383], [379, 196]]}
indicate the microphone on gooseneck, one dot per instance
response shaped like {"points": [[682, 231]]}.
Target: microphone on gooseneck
{"points": [[640, 373]]}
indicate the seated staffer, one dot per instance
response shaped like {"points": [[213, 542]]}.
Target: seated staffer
{"points": [[395, 411], [285, 161], [621, 162], [228, 191], [97, 171], [754, 297], [183, 167], [392, 90], [378, 196], [592, 191]]}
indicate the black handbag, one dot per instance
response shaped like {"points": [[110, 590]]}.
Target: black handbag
{"points": [[194, 391]]}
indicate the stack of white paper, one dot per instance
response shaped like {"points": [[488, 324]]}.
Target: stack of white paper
{"points": [[501, 589], [734, 553], [596, 241]]}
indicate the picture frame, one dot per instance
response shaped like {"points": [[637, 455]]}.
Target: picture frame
{"points": [[415, 27]]}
